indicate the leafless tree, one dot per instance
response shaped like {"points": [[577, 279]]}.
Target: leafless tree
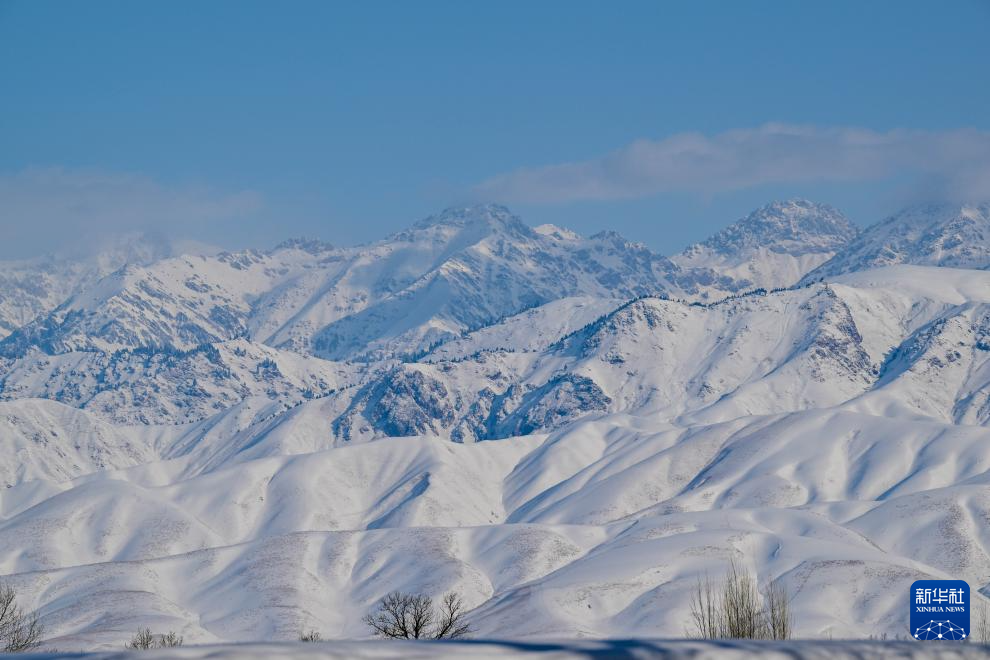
{"points": [[779, 618], [706, 611], [413, 616], [743, 614], [737, 609], [144, 639], [19, 631], [311, 636], [450, 621]]}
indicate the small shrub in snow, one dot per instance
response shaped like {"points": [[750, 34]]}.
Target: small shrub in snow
{"points": [[145, 639]]}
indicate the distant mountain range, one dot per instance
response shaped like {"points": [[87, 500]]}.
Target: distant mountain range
{"points": [[567, 430]]}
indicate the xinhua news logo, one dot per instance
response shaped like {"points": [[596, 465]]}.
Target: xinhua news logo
{"points": [[940, 610]]}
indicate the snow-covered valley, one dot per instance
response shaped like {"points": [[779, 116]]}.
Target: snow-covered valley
{"points": [[568, 431]]}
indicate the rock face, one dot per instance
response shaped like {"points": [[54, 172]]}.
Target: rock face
{"points": [[403, 402], [560, 400]]}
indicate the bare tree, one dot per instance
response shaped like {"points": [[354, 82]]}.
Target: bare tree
{"points": [[19, 631], [450, 622], [401, 615], [144, 639], [705, 610], [420, 616], [413, 616], [779, 619], [742, 611], [737, 609], [311, 636]]}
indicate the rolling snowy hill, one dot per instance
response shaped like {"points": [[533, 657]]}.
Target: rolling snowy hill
{"points": [[569, 431]]}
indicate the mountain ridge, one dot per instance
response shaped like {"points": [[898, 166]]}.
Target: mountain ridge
{"points": [[774, 246], [944, 234]]}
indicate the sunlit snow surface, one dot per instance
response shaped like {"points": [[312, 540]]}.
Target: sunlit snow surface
{"points": [[563, 449]]}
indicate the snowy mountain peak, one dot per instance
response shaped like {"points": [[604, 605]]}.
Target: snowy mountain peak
{"points": [[558, 233], [793, 227], [313, 246], [773, 246], [480, 215], [140, 247], [954, 235], [33, 287]]}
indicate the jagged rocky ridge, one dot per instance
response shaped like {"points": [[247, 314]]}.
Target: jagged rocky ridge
{"points": [[458, 271], [33, 287], [454, 272]]}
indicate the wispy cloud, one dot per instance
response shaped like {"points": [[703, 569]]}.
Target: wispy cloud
{"points": [[951, 163], [54, 207]]}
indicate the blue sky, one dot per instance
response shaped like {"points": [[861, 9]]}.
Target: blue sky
{"points": [[241, 123]]}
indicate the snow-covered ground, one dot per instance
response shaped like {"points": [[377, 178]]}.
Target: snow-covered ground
{"points": [[556, 650], [567, 431]]}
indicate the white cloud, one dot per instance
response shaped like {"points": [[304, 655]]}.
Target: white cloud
{"points": [[955, 163], [54, 207]]}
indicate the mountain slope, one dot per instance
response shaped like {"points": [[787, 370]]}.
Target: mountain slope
{"points": [[863, 337], [584, 531], [772, 247], [173, 387], [32, 287], [496, 267], [46, 440], [925, 235]]}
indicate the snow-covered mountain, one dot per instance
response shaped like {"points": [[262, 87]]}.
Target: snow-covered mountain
{"points": [[569, 431], [33, 287], [457, 271], [773, 246], [927, 235], [486, 265]]}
